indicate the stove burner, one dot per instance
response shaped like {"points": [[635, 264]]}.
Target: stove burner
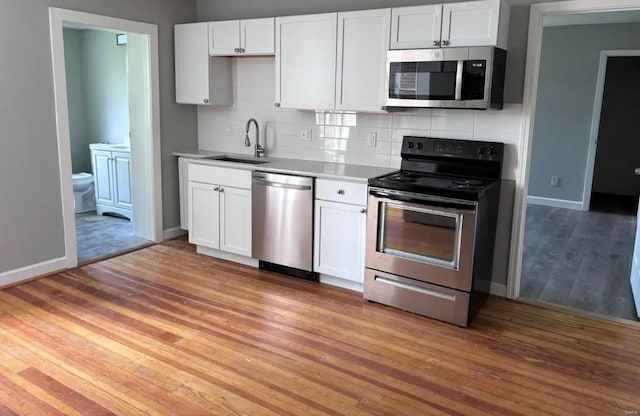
{"points": [[467, 183], [402, 177]]}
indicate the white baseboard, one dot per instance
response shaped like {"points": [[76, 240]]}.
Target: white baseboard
{"points": [[343, 283], [32, 271], [498, 289], [174, 232], [556, 203], [247, 261]]}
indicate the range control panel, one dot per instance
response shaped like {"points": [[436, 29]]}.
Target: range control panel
{"points": [[426, 147]]}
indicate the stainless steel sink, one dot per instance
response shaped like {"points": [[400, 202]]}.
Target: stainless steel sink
{"points": [[239, 160]]}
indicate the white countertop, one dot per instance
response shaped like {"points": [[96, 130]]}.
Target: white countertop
{"points": [[110, 147], [356, 173]]}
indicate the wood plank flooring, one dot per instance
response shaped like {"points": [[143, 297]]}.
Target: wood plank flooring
{"points": [[164, 331]]}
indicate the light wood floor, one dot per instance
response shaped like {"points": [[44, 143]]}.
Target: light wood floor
{"points": [[164, 331]]}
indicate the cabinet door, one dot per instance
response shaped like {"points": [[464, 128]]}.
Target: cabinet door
{"points": [[102, 166], [363, 42], [122, 180], [192, 63], [235, 220], [473, 23], [224, 38], [204, 215], [306, 61], [416, 27], [339, 243], [257, 36]]}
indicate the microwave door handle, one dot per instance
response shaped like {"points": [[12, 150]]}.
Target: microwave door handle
{"points": [[459, 69]]}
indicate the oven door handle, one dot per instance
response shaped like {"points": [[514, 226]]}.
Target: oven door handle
{"points": [[460, 206]]}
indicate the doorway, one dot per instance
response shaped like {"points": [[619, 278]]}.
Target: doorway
{"points": [[143, 120], [573, 256]]}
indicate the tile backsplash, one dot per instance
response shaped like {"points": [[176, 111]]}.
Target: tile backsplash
{"points": [[341, 137]]}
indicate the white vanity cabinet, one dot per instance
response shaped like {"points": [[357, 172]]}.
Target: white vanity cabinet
{"points": [[200, 79], [112, 178], [306, 61], [242, 37], [363, 42], [219, 203], [340, 229], [471, 23]]}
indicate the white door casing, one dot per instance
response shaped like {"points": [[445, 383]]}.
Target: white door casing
{"points": [[144, 102]]}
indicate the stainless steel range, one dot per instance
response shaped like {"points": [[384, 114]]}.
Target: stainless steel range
{"points": [[431, 228]]}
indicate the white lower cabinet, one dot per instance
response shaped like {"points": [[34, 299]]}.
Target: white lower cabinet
{"points": [[219, 208], [112, 178], [340, 229]]}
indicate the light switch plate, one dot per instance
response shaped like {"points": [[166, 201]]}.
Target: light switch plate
{"points": [[306, 135], [555, 181], [372, 139], [229, 131]]}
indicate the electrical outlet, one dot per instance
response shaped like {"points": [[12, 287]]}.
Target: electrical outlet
{"points": [[229, 131], [372, 139], [555, 181], [306, 135]]}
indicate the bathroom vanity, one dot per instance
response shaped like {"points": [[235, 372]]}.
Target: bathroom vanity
{"points": [[111, 164]]}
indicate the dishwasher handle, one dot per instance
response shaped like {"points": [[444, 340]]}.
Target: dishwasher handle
{"points": [[263, 182]]}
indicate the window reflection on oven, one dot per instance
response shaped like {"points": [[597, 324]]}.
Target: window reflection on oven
{"points": [[419, 234]]}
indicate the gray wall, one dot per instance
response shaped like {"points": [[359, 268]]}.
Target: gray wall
{"points": [[105, 87], [209, 10], [96, 91], [80, 157], [619, 127], [566, 94], [31, 224]]}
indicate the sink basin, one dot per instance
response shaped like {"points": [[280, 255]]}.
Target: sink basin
{"points": [[239, 160], [118, 146]]}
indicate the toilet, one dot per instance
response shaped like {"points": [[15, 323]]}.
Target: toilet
{"points": [[83, 193]]}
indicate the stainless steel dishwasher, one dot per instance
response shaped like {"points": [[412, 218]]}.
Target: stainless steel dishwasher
{"points": [[283, 223]]}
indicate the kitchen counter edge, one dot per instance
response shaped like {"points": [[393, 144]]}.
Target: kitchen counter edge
{"points": [[354, 173]]}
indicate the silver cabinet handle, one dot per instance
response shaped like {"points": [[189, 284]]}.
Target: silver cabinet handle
{"points": [[217, 188], [236, 50], [221, 189], [206, 101], [277, 104], [340, 191], [445, 43], [436, 43], [363, 211], [242, 50]]}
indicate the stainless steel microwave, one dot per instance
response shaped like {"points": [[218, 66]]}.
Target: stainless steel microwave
{"points": [[446, 78]]}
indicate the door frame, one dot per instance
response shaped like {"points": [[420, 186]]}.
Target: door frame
{"points": [[536, 19], [595, 121], [147, 156]]}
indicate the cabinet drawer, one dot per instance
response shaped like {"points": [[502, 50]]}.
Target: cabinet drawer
{"points": [[238, 178], [339, 191]]}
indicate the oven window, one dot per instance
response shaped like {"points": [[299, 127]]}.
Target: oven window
{"points": [[419, 234], [423, 80]]}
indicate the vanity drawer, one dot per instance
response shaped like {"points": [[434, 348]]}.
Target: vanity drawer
{"points": [[341, 191]]}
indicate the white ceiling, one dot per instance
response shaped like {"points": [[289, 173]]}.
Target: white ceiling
{"points": [[593, 18]]}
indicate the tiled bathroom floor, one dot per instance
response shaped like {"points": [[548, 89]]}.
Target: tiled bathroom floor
{"points": [[579, 259], [100, 236]]}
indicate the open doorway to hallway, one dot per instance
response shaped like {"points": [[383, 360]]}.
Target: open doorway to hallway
{"points": [[581, 221]]}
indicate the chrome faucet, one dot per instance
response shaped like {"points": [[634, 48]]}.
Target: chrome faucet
{"points": [[259, 150]]}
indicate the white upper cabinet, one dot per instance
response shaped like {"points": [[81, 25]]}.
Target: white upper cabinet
{"points": [[363, 42], [475, 23], [224, 38], [199, 78], [416, 27], [242, 37], [471, 23], [306, 61]]}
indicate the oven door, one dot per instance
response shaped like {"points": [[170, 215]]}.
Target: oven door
{"points": [[421, 237]]}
